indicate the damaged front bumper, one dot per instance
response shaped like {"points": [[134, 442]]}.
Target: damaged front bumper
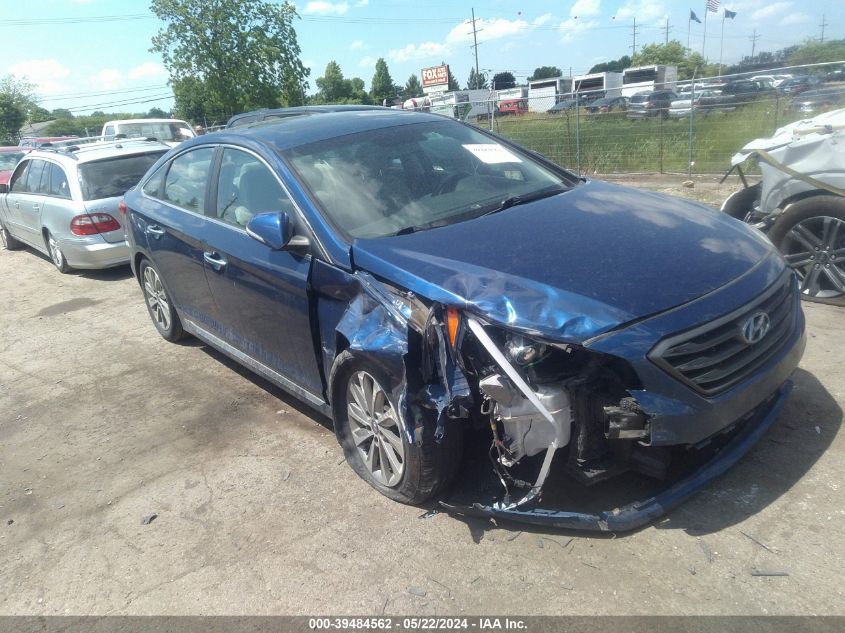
{"points": [[641, 512]]}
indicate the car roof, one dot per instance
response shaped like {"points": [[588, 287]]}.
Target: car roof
{"points": [[120, 121], [97, 151], [278, 113], [285, 133], [13, 148]]}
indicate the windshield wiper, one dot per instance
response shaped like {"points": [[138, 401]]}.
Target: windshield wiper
{"points": [[513, 201]]}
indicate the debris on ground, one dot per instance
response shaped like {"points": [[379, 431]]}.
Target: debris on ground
{"points": [[149, 518], [763, 572], [763, 545], [417, 591], [689, 184], [429, 514], [513, 537], [708, 553], [10, 521]]}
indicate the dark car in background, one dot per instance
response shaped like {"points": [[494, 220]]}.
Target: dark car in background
{"points": [[650, 104], [607, 104], [744, 91], [412, 276], [797, 85]]}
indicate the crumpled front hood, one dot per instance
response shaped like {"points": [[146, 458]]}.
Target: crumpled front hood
{"points": [[573, 266]]}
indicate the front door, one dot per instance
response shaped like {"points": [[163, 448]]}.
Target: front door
{"points": [[25, 199], [261, 294]]}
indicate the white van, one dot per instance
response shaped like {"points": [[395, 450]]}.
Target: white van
{"points": [[168, 131]]}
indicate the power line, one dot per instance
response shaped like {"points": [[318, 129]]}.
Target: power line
{"points": [[82, 95]]}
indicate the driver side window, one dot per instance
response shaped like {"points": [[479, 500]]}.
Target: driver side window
{"points": [[247, 187]]}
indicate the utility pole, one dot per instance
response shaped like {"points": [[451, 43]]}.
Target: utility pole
{"points": [[634, 37], [475, 47], [823, 24], [753, 39], [667, 29]]}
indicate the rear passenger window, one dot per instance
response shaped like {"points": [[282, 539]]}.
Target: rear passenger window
{"points": [[153, 186], [247, 187], [33, 176], [59, 187], [187, 178]]}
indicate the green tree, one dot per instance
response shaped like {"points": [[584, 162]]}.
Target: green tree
{"points": [[332, 86], [39, 115], [812, 51], [503, 81], [156, 113], [244, 52], [675, 54], [545, 72], [413, 88], [476, 81], [453, 83], [614, 66], [17, 102], [382, 88], [357, 92], [195, 102]]}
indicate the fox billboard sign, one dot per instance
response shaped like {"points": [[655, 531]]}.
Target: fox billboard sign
{"points": [[435, 78]]}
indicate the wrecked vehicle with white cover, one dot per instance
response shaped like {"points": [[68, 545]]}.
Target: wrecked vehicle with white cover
{"points": [[452, 280], [800, 201]]}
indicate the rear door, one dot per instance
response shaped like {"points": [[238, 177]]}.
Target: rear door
{"points": [[170, 223], [261, 294]]}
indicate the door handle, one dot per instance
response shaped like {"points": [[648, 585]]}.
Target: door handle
{"points": [[155, 231], [214, 260], [35, 206]]}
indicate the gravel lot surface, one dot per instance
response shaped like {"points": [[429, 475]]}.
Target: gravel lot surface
{"points": [[103, 423]]}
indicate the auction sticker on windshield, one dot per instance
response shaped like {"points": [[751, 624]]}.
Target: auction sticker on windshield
{"points": [[492, 153]]}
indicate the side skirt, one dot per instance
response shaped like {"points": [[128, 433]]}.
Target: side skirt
{"points": [[259, 368]]}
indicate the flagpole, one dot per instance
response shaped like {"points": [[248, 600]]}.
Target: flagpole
{"points": [[689, 24], [704, 39], [721, 45]]}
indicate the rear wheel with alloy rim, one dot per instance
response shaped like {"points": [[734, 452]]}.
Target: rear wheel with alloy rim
{"points": [[811, 236], [376, 442], [159, 304], [56, 255]]}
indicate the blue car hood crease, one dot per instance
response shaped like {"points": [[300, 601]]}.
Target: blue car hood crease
{"points": [[573, 266]]}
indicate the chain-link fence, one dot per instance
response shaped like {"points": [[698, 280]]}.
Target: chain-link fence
{"points": [[683, 127]]}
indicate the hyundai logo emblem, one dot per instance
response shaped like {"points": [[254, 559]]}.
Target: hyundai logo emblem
{"points": [[756, 328]]}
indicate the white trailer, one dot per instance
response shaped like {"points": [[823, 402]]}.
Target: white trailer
{"points": [[648, 78], [462, 104], [608, 83], [544, 93]]}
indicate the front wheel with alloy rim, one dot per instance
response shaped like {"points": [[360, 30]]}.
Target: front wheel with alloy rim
{"points": [[159, 304], [811, 236], [56, 255], [375, 439], [9, 242]]}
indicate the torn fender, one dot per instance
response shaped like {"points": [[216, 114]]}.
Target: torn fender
{"points": [[357, 312]]}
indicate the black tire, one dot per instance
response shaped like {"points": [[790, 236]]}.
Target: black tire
{"points": [[739, 204], [159, 304], [54, 250], [9, 242], [429, 466], [829, 258]]}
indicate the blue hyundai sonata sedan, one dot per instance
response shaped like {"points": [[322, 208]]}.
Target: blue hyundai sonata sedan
{"points": [[413, 277]]}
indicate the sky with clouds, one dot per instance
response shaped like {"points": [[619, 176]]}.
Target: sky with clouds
{"points": [[107, 65]]}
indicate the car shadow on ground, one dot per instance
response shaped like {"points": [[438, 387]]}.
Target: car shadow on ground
{"points": [[802, 433], [116, 273]]}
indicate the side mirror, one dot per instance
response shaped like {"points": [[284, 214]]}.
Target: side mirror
{"points": [[4, 188], [275, 230]]}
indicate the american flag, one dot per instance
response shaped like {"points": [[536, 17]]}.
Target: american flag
{"points": [[713, 6]]}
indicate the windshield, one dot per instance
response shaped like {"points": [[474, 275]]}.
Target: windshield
{"points": [[165, 132], [114, 176], [411, 177], [8, 160]]}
